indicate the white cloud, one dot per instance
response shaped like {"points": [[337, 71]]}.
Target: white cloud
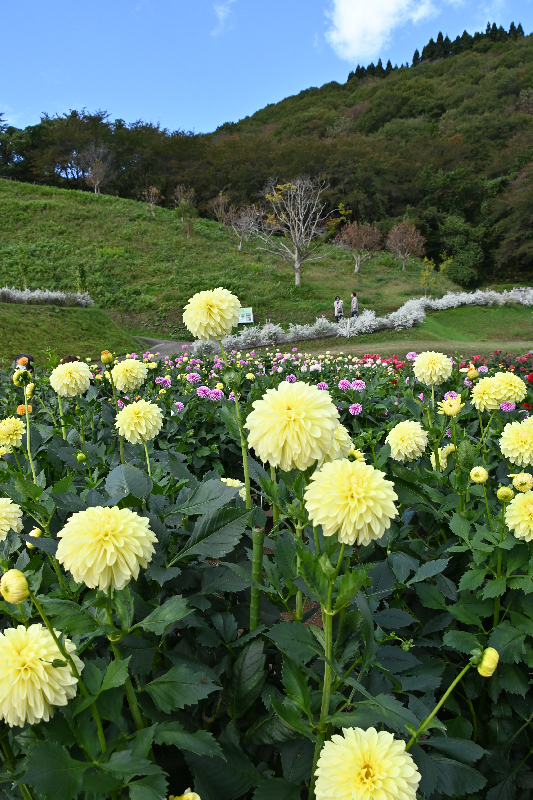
{"points": [[361, 29], [224, 17]]}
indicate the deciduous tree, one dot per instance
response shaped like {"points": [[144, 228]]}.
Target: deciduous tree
{"points": [[362, 240], [404, 241], [152, 197], [218, 206], [96, 164], [240, 223]]}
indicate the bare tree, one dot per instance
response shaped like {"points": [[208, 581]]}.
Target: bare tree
{"points": [[184, 200], [294, 221], [241, 223], [218, 206], [405, 241], [95, 161], [363, 242], [153, 197]]}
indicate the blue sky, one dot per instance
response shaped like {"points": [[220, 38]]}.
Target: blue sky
{"points": [[195, 64]]}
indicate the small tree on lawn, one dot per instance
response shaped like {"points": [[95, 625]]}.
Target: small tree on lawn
{"points": [[294, 221], [240, 223], [184, 200], [405, 241], [362, 240], [218, 207], [96, 164], [152, 197]]}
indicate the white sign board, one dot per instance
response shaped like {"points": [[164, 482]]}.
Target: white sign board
{"points": [[246, 315]]}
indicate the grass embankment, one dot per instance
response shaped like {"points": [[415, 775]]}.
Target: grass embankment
{"points": [[82, 332]]}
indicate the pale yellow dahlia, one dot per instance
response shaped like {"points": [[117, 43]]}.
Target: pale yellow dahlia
{"points": [[139, 422], [366, 765], [450, 407], [432, 368], [489, 662], [485, 394], [516, 443], [30, 686], [292, 425], [71, 379], [14, 586], [523, 482], [129, 374], [236, 485], [105, 546], [444, 452], [5, 451], [11, 432], [357, 454], [505, 494], [341, 445], [10, 517], [189, 795], [519, 516], [407, 440], [479, 475], [510, 387], [351, 498], [211, 314]]}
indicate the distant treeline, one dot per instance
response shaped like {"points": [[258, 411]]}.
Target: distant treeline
{"points": [[442, 48]]}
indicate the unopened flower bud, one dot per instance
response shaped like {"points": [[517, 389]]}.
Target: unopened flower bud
{"points": [[14, 586], [523, 482], [81, 457], [472, 373], [106, 357], [30, 389], [505, 494], [479, 475], [489, 662], [36, 533], [21, 377]]}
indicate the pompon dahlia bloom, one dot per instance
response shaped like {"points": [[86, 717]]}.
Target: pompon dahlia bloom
{"points": [[129, 374], [509, 387], [407, 440], [139, 422], [523, 482], [516, 443], [341, 446], [432, 368], [292, 425], [485, 395], [366, 765], [30, 686], [479, 475], [105, 547], [11, 432], [351, 498], [10, 517], [519, 516], [211, 314], [72, 379], [450, 407]]}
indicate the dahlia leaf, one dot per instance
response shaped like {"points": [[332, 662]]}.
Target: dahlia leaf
{"points": [[170, 612], [53, 772]]}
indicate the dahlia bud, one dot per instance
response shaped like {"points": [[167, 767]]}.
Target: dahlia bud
{"points": [[505, 494], [471, 374], [14, 586], [523, 482], [489, 662], [81, 457], [479, 475], [36, 533], [106, 357], [30, 389], [21, 377]]}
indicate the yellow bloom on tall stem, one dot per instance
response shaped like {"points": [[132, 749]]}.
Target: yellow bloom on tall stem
{"points": [[523, 482], [212, 314], [71, 379], [366, 765], [30, 686], [129, 374], [516, 443], [352, 499], [407, 440], [11, 432], [139, 422], [485, 395], [510, 388], [432, 368], [519, 516], [10, 517], [479, 475], [450, 407]]}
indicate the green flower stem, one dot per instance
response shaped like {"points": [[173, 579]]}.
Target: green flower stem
{"points": [[60, 578], [128, 686], [10, 757], [299, 610], [275, 510], [258, 538], [82, 431], [499, 567], [28, 447], [66, 655], [16, 459], [454, 436], [147, 459], [487, 506], [120, 442], [63, 428], [424, 724], [483, 434]]}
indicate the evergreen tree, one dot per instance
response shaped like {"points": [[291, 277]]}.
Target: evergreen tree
{"points": [[439, 46], [488, 30], [519, 30], [447, 45], [360, 72], [512, 30], [380, 72], [371, 69], [428, 53], [457, 46], [466, 41], [351, 75], [416, 58], [388, 68]]}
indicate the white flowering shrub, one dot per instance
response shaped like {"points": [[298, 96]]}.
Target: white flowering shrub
{"points": [[42, 297]]}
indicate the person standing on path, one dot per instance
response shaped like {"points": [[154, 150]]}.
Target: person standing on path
{"points": [[338, 305], [354, 305]]}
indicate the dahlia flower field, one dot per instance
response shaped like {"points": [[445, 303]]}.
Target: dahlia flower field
{"points": [[265, 575]]}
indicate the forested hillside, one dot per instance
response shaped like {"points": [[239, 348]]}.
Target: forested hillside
{"points": [[447, 142]]}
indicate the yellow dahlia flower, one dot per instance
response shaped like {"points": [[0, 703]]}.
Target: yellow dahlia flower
{"points": [[432, 368], [30, 686], [523, 482], [10, 517], [236, 485], [366, 765], [479, 475], [5, 451], [14, 586], [444, 452], [485, 395], [450, 407], [341, 445], [351, 498], [292, 425], [72, 379], [187, 796], [407, 440], [11, 432], [129, 374], [36, 533], [106, 357], [489, 662], [250, 376], [357, 454], [510, 387], [211, 314], [516, 443], [105, 546], [505, 494], [519, 516], [21, 377], [139, 422]]}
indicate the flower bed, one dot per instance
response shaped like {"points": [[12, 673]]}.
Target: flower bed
{"points": [[267, 576], [40, 297]]}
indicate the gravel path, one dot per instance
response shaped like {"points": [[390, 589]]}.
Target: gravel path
{"points": [[165, 347]]}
